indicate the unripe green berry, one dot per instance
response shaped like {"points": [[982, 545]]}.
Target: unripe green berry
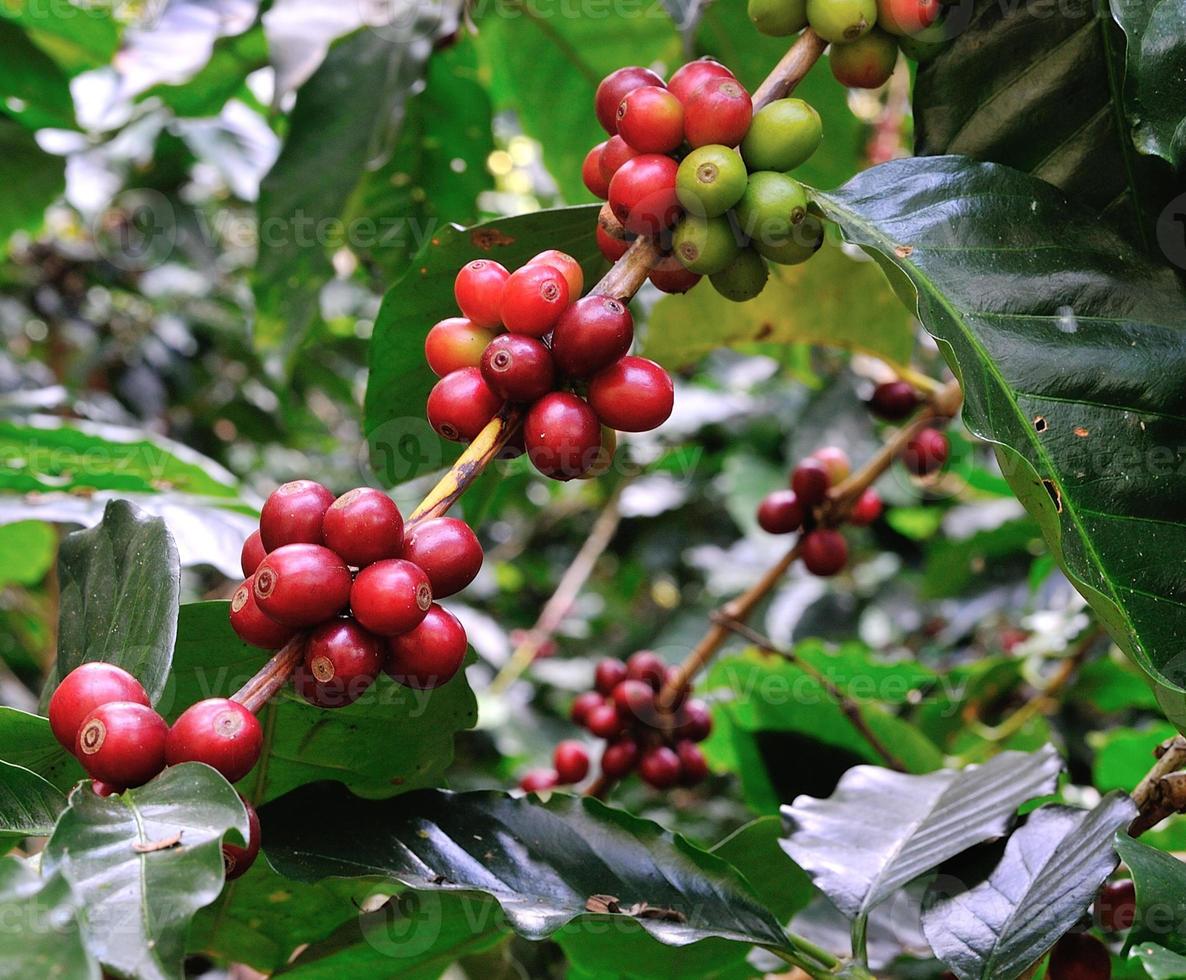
{"points": [[868, 62], [710, 180], [771, 206], [778, 18], [841, 21], [782, 136], [744, 278], [705, 245], [801, 244]]}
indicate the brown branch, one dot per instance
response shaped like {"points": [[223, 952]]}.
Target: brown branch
{"points": [[1161, 792], [271, 676], [789, 72]]}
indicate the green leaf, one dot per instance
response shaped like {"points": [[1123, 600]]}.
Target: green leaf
{"points": [[27, 550], [859, 854], [76, 36], [26, 741], [541, 861], [1067, 344], [29, 75], [32, 178], [1124, 755], [120, 587], [1155, 68], [402, 444], [29, 806], [222, 77], [1159, 962], [1160, 881], [954, 565], [1050, 871], [143, 862], [49, 940], [756, 851]]}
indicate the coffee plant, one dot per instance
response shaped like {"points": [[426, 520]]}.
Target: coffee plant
{"points": [[593, 489]]}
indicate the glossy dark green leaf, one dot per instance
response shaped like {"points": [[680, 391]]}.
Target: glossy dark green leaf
{"points": [[49, 940], [1159, 963], [32, 177], [1155, 71], [34, 81], [1160, 880], [859, 854], [543, 862], [142, 863], [1068, 345], [29, 805], [26, 741], [120, 584], [402, 444], [1046, 879]]}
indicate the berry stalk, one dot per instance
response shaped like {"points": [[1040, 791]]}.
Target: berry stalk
{"points": [[272, 676]]}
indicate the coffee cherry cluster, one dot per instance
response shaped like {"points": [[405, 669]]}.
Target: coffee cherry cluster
{"points": [[102, 715], [865, 35], [557, 347], [690, 164], [621, 709], [359, 586]]}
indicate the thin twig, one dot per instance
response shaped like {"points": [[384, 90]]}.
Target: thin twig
{"points": [[271, 676], [790, 71], [1154, 798]]}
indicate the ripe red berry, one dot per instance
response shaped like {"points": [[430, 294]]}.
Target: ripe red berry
{"points": [[651, 120], [533, 299], [518, 368], [669, 275], [122, 743], [219, 732], [571, 762], [595, 183], [253, 553], [780, 512], [448, 551], [926, 452], [567, 266], [364, 526], [659, 767], [539, 781], [341, 662], [643, 196], [695, 721], [429, 655], [825, 552], [632, 395], [810, 481], [835, 460], [592, 334], [582, 704], [647, 666], [612, 248], [691, 76], [604, 721], [391, 597], [614, 88], [1116, 906], [906, 17], [693, 766], [607, 675], [237, 859], [461, 405], [83, 690], [617, 151], [619, 758], [454, 344], [867, 508], [635, 701], [1079, 956], [252, 625], [893, 400], [293, 514], [302, 585], [719, 111], [478, 291], [563, 436], [100, 788]]}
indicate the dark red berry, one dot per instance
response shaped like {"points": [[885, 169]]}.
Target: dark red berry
{"points": [[659, 767], [302, 585], [533, 299], [691, 76], [567, 266], [780, 512], [651, 120], [253, 553], [642, 194], [619, 758], [635, 701], [893, 400], [461, 405], [719, 111], [612, 248], [810, 481], [478, 291], [539, 781], [252, 625], [617, 151], [83, 690], [293, 514], [454, 344], [582, 705], [693, 766], [1079, 956], [603, 721], [595, 183], [237, 859], [571, 762], [614, 88], [219, 732], [592, 334], [632, 395], [518, 368], [825, 552], [867, 508], [563, 436], [341, 662], [448, 551], [364, 526], [430, 654], [647, 666], [926, 452], [669, 275], [607, 675], [695, 721], [122, 743], [1116, 906], [835, 460], [391, 597]]}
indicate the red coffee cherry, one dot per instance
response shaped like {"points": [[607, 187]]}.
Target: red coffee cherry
{"points": [[1079, 956], [571, 762], [1116, 906], [867, 508], [905, 17], [592, 334], [563, 436], [429, 655], [518, 368], [619, 758], [635, 701], [595, 183], [894, 400], [669, 275], [614, 88], [693, 766], [533, 299], [691, 76], [461, 405], [825, 552], [454, 344], [83, 690], [695, 721], [926, 452], [642, 194], [391, 597], [651, 120], [539, 781], [647, 666], [101, 788], [122, 743], [302, 585], [632, 395], [253, 553], [478, 291], [810, 481], [219, 732], [567, 266], [341, 662], [604, 721], [835, 460], [617, 151], [293, 514], [252, 625], [448, 551], [582, 705], [659, 767], [364, 526], [780, 512], [607, 675], [236, 859], [612, 248], [719, 111]]}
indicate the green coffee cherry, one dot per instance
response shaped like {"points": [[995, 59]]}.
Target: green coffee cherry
{"points": [[710, 180], [705, 245], [743, 278], [782, 136], [801, 244], [771, 206], [868, 62], [841, 21], [778, 18]]}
